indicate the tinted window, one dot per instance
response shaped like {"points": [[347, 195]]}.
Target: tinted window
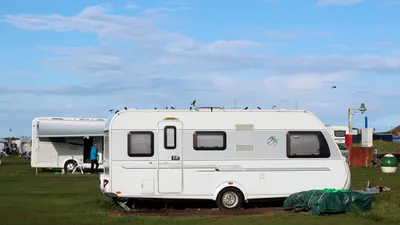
{"points": [[339, 133], [209, 140], [140, 144], [169, 137], [307, 144]]}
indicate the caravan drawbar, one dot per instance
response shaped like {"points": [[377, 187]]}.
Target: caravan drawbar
{"points": [[229, 156]]}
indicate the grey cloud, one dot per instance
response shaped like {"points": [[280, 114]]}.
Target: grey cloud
{"points": [[111, 86], [164, 49], [95, 20], [331, 63]]}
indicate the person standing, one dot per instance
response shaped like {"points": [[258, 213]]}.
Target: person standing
{"points": [[93, 158]]}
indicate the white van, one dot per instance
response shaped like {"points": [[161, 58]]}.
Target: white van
{"points": [[229, 156]]}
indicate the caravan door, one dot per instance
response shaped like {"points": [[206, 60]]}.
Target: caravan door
{"points": [[170, 161]]}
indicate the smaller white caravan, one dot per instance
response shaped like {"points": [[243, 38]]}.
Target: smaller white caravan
{"points": [[339, 132], [26, 145], [229, 156], [4, 145], [61, 143]]}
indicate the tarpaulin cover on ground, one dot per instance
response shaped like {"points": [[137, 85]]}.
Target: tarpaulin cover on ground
{"points": [[328, 201]]}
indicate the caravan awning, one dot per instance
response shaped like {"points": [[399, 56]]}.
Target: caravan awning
{"points": [[68, 128]]}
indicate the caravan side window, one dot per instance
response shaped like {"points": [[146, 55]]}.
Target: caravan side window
{"points": [[140, 144], [169, 137], [307, 144], [339, 133], [209, 140]]}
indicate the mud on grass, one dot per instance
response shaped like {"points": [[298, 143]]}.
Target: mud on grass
{"points": [[198, 212], [194, 209]]}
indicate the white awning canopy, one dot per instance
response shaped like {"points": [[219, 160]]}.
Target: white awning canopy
{"points": [[68, 128]]}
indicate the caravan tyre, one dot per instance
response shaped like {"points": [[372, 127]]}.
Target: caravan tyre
{"points": [[230, 199], [69, 166]]}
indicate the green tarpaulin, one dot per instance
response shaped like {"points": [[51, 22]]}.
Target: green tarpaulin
{"points": [[328, 201]]}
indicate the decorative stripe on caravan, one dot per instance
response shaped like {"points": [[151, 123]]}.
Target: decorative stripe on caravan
{"points": [[231, 168]]}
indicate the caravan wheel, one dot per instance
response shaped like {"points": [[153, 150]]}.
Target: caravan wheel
{"points": [[230, 199], [69, 166]]}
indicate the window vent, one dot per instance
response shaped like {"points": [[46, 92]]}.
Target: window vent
{"points": [[244, 148], [244, 127]]}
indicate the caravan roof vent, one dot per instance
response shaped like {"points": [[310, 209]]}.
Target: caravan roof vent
{"points": [[211, 108]]}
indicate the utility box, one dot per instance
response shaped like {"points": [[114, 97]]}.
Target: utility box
{"points": [[367, 137]]}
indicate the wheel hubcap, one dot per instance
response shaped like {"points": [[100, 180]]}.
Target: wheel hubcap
{"points": [[230, 199], [70, 166]]}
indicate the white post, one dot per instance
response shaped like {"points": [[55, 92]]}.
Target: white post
{"points": [[350, 120], [36, 160], [350, 142]]}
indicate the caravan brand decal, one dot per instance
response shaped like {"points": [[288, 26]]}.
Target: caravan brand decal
{"points": [[272, 141]]}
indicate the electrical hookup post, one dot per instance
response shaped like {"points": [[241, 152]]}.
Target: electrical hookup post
{"points": [[349, 137]]}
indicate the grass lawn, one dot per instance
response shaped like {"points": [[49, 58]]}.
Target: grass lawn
{"points": [[51, 198], [385, 147]]}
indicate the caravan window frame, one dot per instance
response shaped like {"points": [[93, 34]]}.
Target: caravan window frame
{"points": [[197, 133], [166, 137], [341, 131], [151, 154], [325, 151]]}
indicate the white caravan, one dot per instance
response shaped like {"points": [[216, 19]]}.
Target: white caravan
{"points": [[58, 142], [229, 156], [26, 145], [4, 146], [339, 132]]}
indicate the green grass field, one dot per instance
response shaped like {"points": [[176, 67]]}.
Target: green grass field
{"points": [[51, 198], [385, 147]]}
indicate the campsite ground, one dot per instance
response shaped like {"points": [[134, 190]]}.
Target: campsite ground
{"points": [[51, 198]]}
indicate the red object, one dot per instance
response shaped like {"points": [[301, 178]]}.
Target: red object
{"points": [[105, 182], [348, 140], [360, 157]]}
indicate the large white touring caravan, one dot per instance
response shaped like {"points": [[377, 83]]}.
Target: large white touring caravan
{"points": [[229, 156], [64, 142]]}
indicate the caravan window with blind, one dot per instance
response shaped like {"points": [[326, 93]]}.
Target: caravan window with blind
{"points": [[307, 144], [140, 144], [209, 140]]}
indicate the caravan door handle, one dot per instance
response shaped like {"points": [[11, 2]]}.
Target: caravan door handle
{"points": [[175, 157]]}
